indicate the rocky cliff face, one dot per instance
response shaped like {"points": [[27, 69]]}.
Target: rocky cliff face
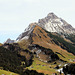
{"points": [[27, 32], [9, 41], [52, 23]]}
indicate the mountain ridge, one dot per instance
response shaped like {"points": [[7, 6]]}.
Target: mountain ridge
{"points": [[35, 34], [44, 46], [50, 23]]}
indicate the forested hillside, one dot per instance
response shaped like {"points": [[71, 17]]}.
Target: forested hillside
{"points": [[62, 43]]}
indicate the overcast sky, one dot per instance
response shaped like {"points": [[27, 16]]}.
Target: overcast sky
{"points": [[16, 15]]}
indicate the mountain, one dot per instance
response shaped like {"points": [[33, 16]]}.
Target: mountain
{"points": [[52, 23], [27, 32], [45, 46], [37, 42], [48, 35], [9, 41]]}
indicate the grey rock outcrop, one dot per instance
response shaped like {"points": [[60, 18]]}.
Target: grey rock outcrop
{"points": [[9, 41], [52, 23]]}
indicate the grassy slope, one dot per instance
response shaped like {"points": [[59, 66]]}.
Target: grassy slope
{"points": [[47, 42], [0, 44], [43, 40], [42, 67], [7, 72], [24, 43]]}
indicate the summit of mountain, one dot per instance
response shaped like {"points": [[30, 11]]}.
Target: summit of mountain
{"points": [[52, 23], [48, 33]]}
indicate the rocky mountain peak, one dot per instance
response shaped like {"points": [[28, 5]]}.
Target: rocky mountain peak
{"points": [[51, 16], [9, 41], [52, 23], [31, 25], [27, 32]]}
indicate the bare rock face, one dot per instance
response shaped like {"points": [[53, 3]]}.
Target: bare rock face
{"points": [[9, 41], [27, 32], [52, 23]]}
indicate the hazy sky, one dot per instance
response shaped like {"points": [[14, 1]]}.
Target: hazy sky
{"points": [[16, 15]]}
